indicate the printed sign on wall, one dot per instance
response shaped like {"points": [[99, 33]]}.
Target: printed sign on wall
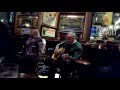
{"points": [[25, 31]]}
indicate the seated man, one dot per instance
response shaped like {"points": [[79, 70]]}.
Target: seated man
{"points": [[33, 48], [73, 51], [34, 42]]}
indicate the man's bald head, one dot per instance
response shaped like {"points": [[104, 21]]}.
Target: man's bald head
{"points": [[70, 37], [71, 34]]}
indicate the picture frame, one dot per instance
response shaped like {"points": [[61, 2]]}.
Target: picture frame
{"points": [[48, 32], [50, 19]]}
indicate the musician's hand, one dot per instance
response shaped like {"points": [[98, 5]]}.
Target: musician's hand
{"points": [[56, 51], [28, 41], [65, 56], [33, 40]]}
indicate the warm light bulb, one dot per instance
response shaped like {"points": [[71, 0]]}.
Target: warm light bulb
{"points": [[71, 16], [27, 25], [2, 20]]}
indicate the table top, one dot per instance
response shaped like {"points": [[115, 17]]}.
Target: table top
{"points": [[27, 75]]}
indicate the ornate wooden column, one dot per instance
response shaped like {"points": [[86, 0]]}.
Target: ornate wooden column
{"points": [[87, 26]]}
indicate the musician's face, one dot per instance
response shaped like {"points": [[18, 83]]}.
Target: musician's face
{"points": [[69, 39], [35, 33]]}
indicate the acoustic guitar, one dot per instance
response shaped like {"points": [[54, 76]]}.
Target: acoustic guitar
{"points": [[60, 52]]}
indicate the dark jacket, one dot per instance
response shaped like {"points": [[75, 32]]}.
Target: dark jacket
{"points": [[5, 41]]}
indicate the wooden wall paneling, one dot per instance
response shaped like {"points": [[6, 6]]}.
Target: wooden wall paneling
{"points": [[16, 21], [87, 26], [40, 21], [57, 22]]}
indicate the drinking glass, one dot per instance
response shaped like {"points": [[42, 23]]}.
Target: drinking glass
{"points": [[9, 70]]}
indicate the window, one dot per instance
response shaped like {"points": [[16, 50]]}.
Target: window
{"points": [[4, 17], [105, 24]]}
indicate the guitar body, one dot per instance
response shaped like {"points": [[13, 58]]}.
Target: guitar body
{"points": [[60, 52]]}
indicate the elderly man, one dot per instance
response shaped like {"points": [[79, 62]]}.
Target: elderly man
{"points": [[35, 46], [35, 43], [73, 51]]}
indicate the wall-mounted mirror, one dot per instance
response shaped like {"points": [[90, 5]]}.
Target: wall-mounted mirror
{"points": [[71, 22], [27, 21]]}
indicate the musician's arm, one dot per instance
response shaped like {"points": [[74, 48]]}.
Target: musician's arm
{"points": [[39, 39], [77, 54], [28, 41], [59, 45]]}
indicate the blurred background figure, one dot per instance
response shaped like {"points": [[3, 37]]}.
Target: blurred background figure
{"points": [[6, 45]]}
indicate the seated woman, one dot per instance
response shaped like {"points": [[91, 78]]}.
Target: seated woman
{"points": [[34, 43]]}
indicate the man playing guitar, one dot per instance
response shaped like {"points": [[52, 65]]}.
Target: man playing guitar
{"points": [[66, 51]]}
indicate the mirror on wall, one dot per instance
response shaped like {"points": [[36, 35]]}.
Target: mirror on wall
{"points": [[71, 22], [27, 22]]}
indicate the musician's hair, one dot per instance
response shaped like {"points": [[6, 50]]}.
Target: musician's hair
{"points": [[72, 34]]}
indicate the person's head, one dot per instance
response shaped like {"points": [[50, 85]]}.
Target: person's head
{"points": [[70, 37], [35, 33]]}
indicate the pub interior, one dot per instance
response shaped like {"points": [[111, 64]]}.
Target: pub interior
{"points": [[97, 32]]}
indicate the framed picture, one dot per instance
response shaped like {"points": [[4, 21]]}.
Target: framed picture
{"points": [[48, 32], [50, 19]]}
